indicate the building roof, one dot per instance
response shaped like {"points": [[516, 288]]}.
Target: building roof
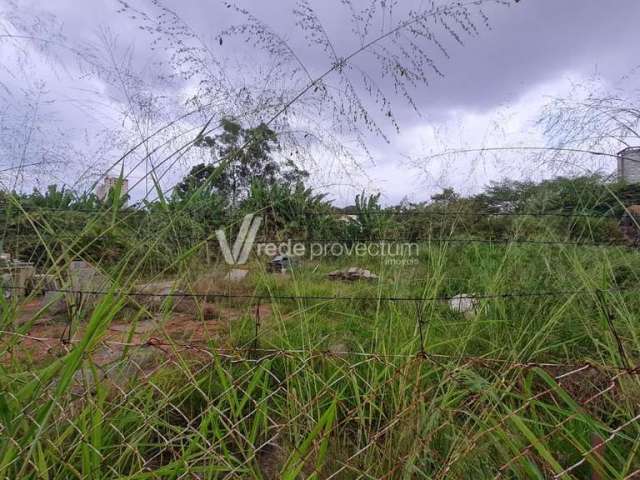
{"points": [[628, 150]]}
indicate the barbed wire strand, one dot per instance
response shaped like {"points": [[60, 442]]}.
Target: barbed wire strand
{"points": [[259, 297]]}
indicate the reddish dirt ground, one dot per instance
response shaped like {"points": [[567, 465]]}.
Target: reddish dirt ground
{"points": [[48, 337]]}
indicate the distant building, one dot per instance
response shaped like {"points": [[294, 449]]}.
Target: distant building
{"points": [[107, 184], [629, 165]]}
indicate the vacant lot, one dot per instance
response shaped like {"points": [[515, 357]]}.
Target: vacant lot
{"points": [[271, 377]]}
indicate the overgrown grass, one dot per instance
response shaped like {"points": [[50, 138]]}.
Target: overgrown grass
{"points": [[340, 388]]}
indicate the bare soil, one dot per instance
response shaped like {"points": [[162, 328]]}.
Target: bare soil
{"points": [[41, 340]]}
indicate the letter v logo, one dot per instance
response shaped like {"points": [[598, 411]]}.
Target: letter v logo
{"points": [[244, 241]]}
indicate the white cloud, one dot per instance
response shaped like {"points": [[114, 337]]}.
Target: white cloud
{"points": [[403, 168]]}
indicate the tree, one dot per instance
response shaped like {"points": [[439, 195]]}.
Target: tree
{"points": [[332, 104], [447, 196], [506, 196], [240, 155], [372, 220], [290, 210], [196, 180]]}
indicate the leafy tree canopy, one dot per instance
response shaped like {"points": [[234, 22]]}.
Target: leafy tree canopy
{"points": [[240, 155]]}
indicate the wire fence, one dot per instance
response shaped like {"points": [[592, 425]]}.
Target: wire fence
{"points": [[210, 411], [370, 298], [446, 240], [472, 299], [427, 240], [491, 238], [288, 414], [79, 296]]}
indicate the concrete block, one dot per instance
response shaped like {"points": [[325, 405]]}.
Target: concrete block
{"points": [[85, 278], [236, 275]]}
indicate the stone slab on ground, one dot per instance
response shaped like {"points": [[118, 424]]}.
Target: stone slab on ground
{"points": [[16, 277], [55, 302], [42, 283], [464, 303], [84, 276], [88, 282], [236, 275], [352, 274], [279, 264], [166, 295], [6, 284]]}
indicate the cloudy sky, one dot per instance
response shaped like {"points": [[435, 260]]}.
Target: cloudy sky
{"points": [[71, 71]]}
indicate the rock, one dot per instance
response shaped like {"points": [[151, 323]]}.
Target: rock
{"points": [[112, 369], [155, 295], [464, 303], [352, 273], [348, 218], [55, 302], [157, 288], [17, 278], [84, 276], [159, 295], [45, 284], [23, 273], [6, 284], [41, 284], [236, 275], [279, 264], [88, 282]]}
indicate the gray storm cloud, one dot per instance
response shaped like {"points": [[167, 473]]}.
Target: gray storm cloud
{"points": [[525, 54]]}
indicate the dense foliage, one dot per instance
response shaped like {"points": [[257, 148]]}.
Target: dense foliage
{"points": [[212, 197]]}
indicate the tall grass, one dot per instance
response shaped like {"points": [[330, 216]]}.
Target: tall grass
{"points": [[524, 387]]}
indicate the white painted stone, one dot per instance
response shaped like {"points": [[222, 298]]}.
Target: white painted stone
{"points": [[464, 303], [352, 273]]}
